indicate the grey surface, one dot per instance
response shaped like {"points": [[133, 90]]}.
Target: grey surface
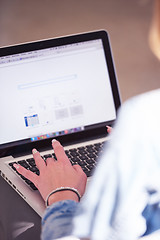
{"points": [[128, 23], [17, 219]]}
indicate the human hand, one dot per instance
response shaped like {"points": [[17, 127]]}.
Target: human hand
{"points": [[109, 129], [55, 174]]}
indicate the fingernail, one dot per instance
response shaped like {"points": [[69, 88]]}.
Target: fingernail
{"points": [[16, 165], [54, 140], [34, 151]]}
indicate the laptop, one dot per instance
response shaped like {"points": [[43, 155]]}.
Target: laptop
{"points": [[63, 88]]}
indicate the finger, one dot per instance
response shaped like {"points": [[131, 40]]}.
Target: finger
{"points": [[50, 161], [27, 173], [59, 151], [109, 129], [38, 159]]}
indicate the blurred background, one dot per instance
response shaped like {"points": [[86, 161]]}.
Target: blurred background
{"points": [[128, 23]]}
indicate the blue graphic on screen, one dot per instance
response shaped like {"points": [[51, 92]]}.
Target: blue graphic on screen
{"points": [[31, 121]]}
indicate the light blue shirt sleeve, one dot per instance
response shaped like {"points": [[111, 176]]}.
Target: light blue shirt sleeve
{"points": [[57, 220]]}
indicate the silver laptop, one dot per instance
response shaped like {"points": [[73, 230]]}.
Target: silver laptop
{"points": [[63, 88]]}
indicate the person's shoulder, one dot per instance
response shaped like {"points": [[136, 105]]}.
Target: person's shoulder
{"points": [[143, 111], [149, 100]]}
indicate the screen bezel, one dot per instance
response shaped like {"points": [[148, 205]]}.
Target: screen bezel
{"points": [[90, 131]]}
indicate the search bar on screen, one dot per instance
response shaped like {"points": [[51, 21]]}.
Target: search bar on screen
{"points": [[46, 82]]}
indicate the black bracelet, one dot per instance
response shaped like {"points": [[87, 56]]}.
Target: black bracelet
{"points": [[62, 189]]}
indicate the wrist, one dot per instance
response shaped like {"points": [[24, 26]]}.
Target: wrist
{"points": [[60, 196], [62, 193]]}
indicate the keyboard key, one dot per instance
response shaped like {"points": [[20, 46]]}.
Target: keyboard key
{"points": [[83, 158], [23, 177], [47, 156], [31, 162], [80, 148], [82, 152], [24, 164], [91, 166], [54, 156], [82, 163], [75, 159], [33, 169], [11, 165], [91, 155], [90, 161], [74, 154], [28, 181], [33, 186]]}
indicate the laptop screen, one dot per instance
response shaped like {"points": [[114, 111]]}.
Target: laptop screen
{"points": [[54, 91]]}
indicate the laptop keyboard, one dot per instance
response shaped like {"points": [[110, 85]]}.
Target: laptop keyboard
{"points": [[85, 156]]}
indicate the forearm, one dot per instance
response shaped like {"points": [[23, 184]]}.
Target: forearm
{"points": [[57, 220]]}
